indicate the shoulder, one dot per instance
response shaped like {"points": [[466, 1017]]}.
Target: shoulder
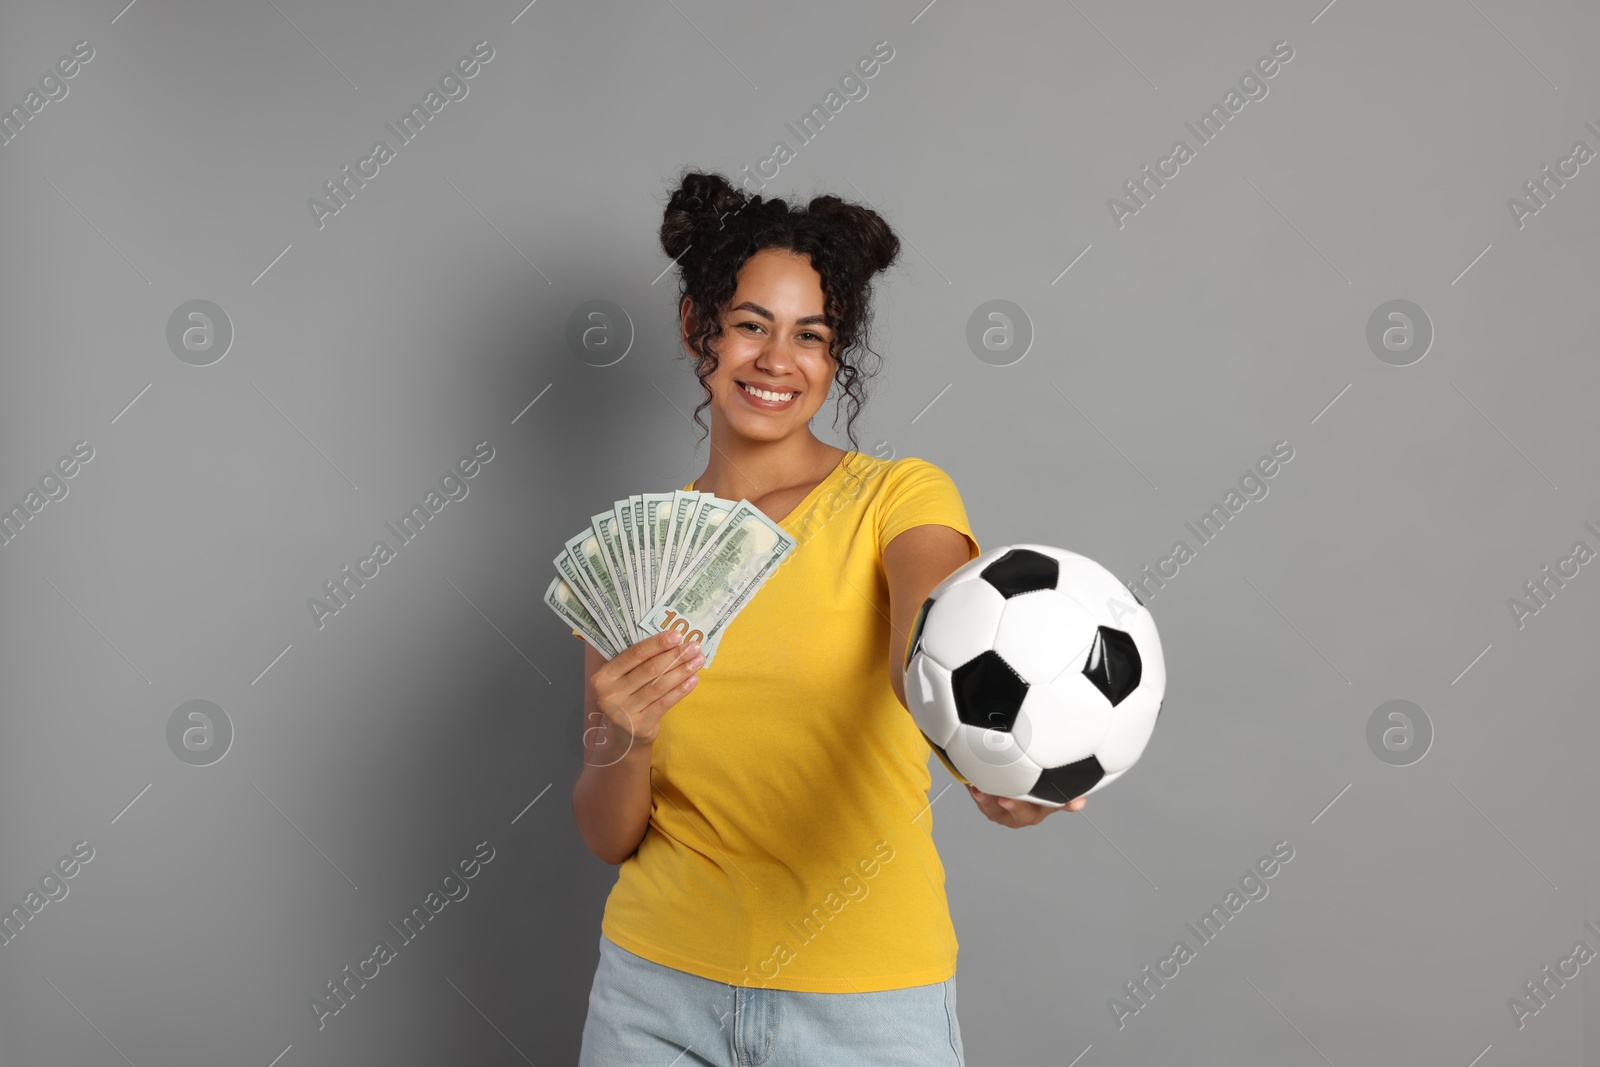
{"points": [[876, 480], [915, 492], [916, 472], [924, 532], [891, 468], [916, 465]]}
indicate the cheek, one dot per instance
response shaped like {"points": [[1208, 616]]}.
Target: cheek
{"points": [[819, 390], [822, 375]]}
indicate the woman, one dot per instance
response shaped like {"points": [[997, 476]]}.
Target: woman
{"points": [[780, 899]]}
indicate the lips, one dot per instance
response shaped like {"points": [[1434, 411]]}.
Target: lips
{"points": [[763, 402]]}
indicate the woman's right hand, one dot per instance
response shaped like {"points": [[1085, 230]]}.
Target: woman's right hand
{"points": [[637, 686]]}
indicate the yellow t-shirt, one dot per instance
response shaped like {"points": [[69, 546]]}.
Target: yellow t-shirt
{"points": [[790, 842]]}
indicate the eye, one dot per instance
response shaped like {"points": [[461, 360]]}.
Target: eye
{"points": [[756, 326]]}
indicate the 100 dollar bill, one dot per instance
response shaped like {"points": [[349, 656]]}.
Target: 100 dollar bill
{"points": [[623, 509], [704, 522], [683, 506], [566, 603], [657, 520], [745, 551], [610, 536], [581, 565]]}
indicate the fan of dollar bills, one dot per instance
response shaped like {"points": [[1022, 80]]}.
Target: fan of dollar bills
{"points": [[684, 561]]}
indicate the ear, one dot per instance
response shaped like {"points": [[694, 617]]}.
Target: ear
{"points": [[686, 323]]}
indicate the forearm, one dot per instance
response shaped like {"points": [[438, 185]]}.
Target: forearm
{"points": [[611, 803]]}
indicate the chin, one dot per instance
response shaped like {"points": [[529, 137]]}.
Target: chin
{"points": [[760, 431], [765, 426]]}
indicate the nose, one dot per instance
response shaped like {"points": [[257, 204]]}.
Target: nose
{"points": [[775, 358]]}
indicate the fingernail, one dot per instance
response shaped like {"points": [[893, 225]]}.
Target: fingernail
{"points": [[674, 637]]}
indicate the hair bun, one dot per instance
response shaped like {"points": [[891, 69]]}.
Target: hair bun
{"points": [[872, 234], [700, 199]]}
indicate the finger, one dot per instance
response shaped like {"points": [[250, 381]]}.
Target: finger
{"points": [[687, 665], [672, 657], [984, 800], [640, 651], [660, 663], [992, 801], [658, 707], [1013, 813], [998, 809]]}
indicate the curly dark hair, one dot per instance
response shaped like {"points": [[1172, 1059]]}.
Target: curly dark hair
{"points": [[710, 228]]}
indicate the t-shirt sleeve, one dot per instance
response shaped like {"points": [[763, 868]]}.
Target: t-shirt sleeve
{"points": [[919, 493]]}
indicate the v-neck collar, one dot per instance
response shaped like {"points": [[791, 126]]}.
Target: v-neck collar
{"points": [[811, 497]]}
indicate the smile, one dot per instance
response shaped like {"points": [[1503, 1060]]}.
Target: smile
{"points": [[764, 398]]}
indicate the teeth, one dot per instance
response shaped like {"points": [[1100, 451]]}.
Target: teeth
{"points": [[763, 394]]}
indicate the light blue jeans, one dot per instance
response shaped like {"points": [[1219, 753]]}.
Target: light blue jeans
{"points": [[642, 1014]]}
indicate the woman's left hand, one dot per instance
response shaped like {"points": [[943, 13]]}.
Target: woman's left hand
{"points": [[1017, 813]]}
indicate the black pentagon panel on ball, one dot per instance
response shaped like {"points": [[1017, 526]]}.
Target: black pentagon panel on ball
{"points": [[915, 643], [951, 767], [1113, 664], [1058, 785], [988, 692], [1022, 570]]}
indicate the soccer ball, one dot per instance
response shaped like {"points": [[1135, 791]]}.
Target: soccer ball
{"points": [[1035, 674]]}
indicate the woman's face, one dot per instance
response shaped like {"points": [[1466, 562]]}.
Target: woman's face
{"points": [[775, 339]]}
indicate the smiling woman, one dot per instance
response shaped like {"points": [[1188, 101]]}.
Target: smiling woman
{"points": [[735, 803]]}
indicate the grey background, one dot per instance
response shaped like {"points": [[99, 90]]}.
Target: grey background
{"points": [[1228, 314]]}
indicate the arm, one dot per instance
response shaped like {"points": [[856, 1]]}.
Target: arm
{"points": [[611, 798], [915, 561]]}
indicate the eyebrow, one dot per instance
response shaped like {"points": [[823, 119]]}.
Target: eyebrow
{"points": [[809, 320]]}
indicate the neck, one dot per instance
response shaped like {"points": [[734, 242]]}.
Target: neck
{"points": [[740, 467]]}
